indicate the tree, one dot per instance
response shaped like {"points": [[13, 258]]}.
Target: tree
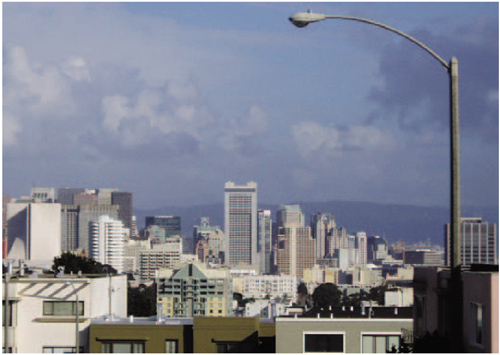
{"points": [[303, 296], [74, 263], [142, 301], [327, 294], [377, 294]]}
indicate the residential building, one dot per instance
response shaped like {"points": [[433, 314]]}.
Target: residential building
{"points": [[260, 286], [192, 290], [240, 223], [296, 248], [34, 231], [158, 257], [264, 245], [107, 238], [479, 242], [476, 328], [42, 312], [344, 330]]}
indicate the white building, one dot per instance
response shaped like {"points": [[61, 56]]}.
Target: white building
{"points": [[159, 257], [265, 309], [240, 223], [43, 310], [260, 286], [107, 238], [34, 231]]}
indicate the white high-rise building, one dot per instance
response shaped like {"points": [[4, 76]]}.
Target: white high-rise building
{"points": [[240, 223], [107, 242], [361, 245]]}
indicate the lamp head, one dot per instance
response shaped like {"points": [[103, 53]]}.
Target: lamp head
{"points": [[302, 19]]}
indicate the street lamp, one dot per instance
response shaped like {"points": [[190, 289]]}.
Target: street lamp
{"points": [[77, 332], [302, 19]]}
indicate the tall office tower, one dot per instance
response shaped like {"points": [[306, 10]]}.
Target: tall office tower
{"points": [[264, 245], [91, 213], [322, 225], [296, 247], [34, 231], [213, 236], [43, 194], [69, 227], [171, 224], [85, 198], [65, 195], [126, 211], [107, 237], [337, 239], [104, 196], [479, 242], [376, 248], [240, 223], [361, 246]]}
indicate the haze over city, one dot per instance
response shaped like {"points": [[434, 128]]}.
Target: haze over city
{"points": [[171, 100]]}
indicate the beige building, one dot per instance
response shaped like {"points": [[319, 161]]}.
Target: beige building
{"points": [[160, 256], [296, 247], [193, 290]]}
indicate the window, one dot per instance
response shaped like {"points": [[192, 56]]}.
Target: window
{"points": [[61, 349], [317, 343], [171, 346], [62, 308], [476, 325], [123, 347], [228, 347], [380, 343]]}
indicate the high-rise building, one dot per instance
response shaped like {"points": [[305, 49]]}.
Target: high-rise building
{"points": [[296, 247], [159, 257], [322, 225], [126, 211], [34, 231], [75, 221], [65, 195], [43, 194], [104, 196], [240, 223], [107, 242], [377, 248], [361, 245], [209, 240], [479, 242], [264, 245], [171, 224]]}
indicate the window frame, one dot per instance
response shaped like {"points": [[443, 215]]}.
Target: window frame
{"points": [[73, 348], [380, 334], [47, 313], [305, 333], [176, 342], [132, 343], [473, 324]]}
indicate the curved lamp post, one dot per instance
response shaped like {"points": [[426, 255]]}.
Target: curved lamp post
{"points": [[302, 19]]}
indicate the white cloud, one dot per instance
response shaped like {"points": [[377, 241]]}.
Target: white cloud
{"points": [[311, 137], [76, 68]]}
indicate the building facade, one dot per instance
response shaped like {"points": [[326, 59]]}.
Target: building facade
{"points": [[160, 256], [240, 223], [192, 290], [107, 237], [322, 225], [479, 242], [264, 245]]}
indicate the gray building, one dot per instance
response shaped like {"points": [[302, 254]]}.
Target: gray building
{"points": [[344, 330], [65, 194], [126, 202], [240, 223], [264, 245], [322, 225], [479, 242], [170, 224]]}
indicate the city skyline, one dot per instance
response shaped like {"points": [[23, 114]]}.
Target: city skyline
{"points": [[171, 100]]}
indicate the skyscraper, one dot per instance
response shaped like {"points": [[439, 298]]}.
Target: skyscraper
{"points": [[107, 241], [264, 245], [65, 194], [479, 242], [126, 211], [240, 223], [170, 224], [322, 225], [296, 247]]}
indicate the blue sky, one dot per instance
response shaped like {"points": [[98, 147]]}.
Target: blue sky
{"points": [[171, 100]]}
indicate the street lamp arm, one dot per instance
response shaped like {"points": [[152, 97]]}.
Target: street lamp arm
{"points": [[302, 19], [389, 28]]}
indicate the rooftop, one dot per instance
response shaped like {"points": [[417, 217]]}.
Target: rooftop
{"points": [[359, 312]]}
